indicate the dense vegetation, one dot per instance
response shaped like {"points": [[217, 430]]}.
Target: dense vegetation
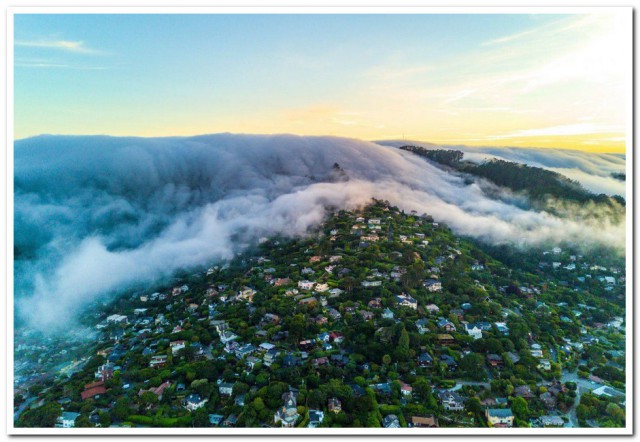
{"points": [[538, 183], [383, 358]]}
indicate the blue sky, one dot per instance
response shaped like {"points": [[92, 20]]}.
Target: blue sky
{"points": [[446, 78]]}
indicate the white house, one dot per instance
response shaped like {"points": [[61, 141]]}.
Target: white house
{"points": [[473, 330], [500, 417], [405, 300], [306, 285], [68, 419], [225, 388], [193, 402]]}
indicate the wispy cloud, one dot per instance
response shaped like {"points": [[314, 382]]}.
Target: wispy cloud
{"points": [[460, 95], [53, 65], [63, 45], [509, 38], [568, 129]]}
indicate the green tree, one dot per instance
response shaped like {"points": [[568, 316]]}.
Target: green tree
{"points": [[520, 408], [41, 417]]}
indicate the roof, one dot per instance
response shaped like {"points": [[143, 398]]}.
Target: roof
{"points": [[91, 392], [427, 421], [69, 416], [499, 412]]}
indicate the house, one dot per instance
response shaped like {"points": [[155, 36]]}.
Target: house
{"points": [[404, 300], [382, 388], [271, 318], [194, 401], [158, 361], [502, 327], [117, 319], [320, 320], [94, 389], [270, 356], [334, 405], [477, 266], [548, 400], [387, 314], [320, 361], [68, 419], [306, 285], [544, 364], [244, 350], [251, 362], [266, 346], [375, 303], [340, 360], [231, 346], [158, 391], [495, 360], [433, 285], [422, 326], [391, 421], [176, 346], [424, 421], [446, 339], [551, 421], [335, 314], [324, 337], [215, 419], [310, 301], [315, 418], [366, 315], [607, 392], [536, 353], [307, 344], [225, 388], [523, 391], [227, 336], [279, 282], [406, 389], [247, 294], [368, 284], [291, 361], [288, 414], [473, 330], [432, 308], [336, 337], [499, 417], [425, 360], [449, 361], [105, 371], [230, 421], [451, 400], [446, 325]]}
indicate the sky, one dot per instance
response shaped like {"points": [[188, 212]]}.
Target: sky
{"points": [[526, 80]]}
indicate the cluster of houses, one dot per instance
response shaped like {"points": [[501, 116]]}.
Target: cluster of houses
{"points": [[315, 288]]}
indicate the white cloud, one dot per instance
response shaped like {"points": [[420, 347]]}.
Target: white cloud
{"points": [[568, 129], [63, 45], [96, 215]]}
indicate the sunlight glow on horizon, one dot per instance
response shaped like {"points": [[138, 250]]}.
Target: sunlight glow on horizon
{"points": [[525, 80]]}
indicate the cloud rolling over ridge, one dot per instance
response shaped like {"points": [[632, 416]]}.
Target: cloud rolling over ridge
{"points": [[94, 215]]}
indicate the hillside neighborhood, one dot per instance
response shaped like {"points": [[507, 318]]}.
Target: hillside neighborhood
{"points": [[380, 318]]}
